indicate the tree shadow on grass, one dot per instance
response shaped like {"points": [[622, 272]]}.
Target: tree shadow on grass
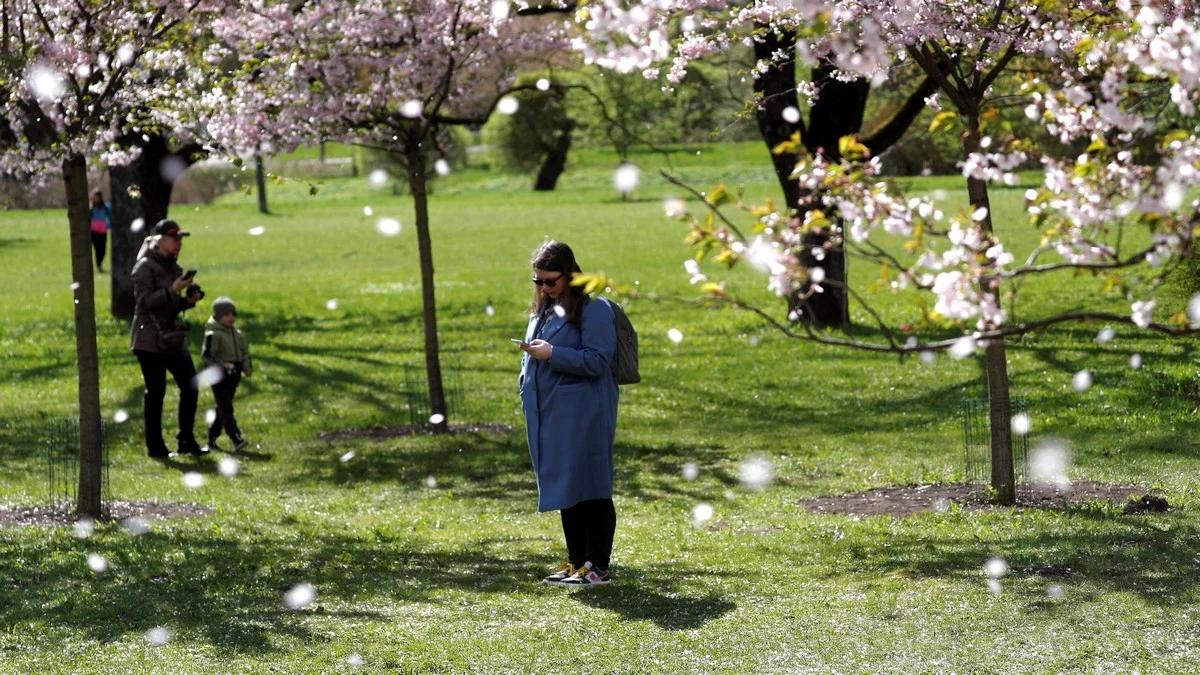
{"points": [[1152, 556], [651, 595], [497, 466], [228, 592]]}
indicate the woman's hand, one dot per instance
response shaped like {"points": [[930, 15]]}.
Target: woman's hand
{"points": [[180, 284], [539, 349]]}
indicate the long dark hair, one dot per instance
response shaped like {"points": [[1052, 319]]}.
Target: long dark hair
{"points": [[555, 256]]}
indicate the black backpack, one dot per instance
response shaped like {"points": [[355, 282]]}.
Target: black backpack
{"points": [[625, 358]]}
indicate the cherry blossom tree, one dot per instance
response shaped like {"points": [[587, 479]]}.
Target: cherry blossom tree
{"points": [[386, 74], [74, 74], [1086, 68], [662, 38]]}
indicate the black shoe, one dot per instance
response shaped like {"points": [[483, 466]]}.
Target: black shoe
{"points": [[213, 447], [239, 443], [191, 448], [160, 452]]}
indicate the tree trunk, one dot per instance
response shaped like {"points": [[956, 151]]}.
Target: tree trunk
{"points": [[140, 190], [260, 179], [996, 362], [78, 210], [417, 179], [839, 111], [555, 162]]}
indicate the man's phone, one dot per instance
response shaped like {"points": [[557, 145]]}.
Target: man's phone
{"points": [[189, 274], [515, 341]]}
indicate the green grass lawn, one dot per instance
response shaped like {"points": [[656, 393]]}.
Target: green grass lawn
{"points": [[421, 575]]}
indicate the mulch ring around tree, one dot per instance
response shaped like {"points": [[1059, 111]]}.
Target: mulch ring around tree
{"points": [[117, 510], [412, 430], [914, 499]]}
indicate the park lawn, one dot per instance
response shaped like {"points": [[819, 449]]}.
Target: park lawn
{"points": [[425, 552]]}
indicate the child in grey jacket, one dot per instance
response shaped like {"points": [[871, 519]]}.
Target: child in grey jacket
{"points": [[225, 347]]}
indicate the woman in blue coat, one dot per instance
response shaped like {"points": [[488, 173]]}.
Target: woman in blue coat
{"points": [[569, 397]]}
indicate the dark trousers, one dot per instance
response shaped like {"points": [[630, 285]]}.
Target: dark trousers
{"points": [[223, 392], [100, 243], [589, 527], [155, 367]]}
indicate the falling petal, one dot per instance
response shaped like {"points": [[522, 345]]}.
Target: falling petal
{"points": [[208, 377], [995, 586], [755, 472], [137, 225], [543, 84], [1082, 381], [507, 105], [963, 347], [500, 10], [210, 415], [1193, 311], [691, 471], [701, 514], [300, 596], [84, 527], [1054, 592], [378, 177], [346, 457], [120, 417], [1049, 462], [675, 335], [1105, 335], [46, 84], [437, 418], [625, 178], [97, 563], [411, 109], [430, 482], [368, 211], [995, 568], [331, 304], [674, 207], [442, 167], [560, 311], [228, 467], [791, 115], [257, 231], [388, 227], [158, 636], [928, 357], [489, 310], [74, 285], [1021, 424], [354, 660], [135, 526], [1135, 361], [193, 479]]}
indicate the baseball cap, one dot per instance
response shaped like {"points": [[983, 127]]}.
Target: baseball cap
{"points": [[169, 228]]}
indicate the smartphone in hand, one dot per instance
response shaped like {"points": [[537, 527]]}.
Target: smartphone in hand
{"points": [[189, 274], [515, 341]]}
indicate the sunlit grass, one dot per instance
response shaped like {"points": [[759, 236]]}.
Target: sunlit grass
{"points": [[412, 577]]}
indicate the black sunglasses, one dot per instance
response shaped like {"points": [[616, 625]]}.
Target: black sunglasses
{"points": [[545, 282]]}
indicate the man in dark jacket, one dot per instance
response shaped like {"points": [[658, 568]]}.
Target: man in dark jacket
{"points": [[159, 340]]}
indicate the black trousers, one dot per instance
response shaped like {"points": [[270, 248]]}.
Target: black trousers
{"points": [[155, 367], [223, 392], [589, 527], [99, 244]]}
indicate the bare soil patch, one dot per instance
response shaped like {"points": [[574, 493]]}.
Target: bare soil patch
{"points": [[117, 510], [412, 430], [909, 500]]}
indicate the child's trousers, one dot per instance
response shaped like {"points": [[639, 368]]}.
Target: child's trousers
{"points": [[223, 392]]}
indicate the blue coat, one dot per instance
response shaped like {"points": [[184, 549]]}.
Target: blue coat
{"points": [[570, 406]]}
